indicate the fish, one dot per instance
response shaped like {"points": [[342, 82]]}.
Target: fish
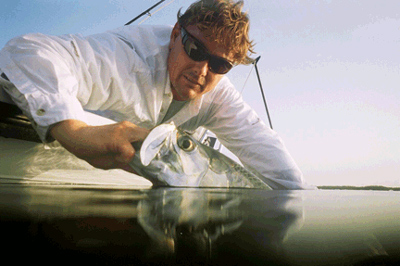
{"points": [[172, 157]]}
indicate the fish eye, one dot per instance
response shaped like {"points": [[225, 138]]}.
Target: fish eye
{"points": [[186, 144]]}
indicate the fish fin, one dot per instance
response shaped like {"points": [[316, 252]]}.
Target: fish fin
{"points": [[153, 142]]}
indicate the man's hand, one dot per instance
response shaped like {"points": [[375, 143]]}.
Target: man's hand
{"points": [[104, 147]]}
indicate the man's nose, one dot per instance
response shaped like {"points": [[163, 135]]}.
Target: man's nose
{"points": [[201, 67]]}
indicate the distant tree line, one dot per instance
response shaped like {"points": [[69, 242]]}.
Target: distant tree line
{"points": [[382, 188]]}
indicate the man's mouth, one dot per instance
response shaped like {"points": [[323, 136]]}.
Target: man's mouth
{"points": [[193, 81]]}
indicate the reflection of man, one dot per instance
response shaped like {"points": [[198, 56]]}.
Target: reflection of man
{"points": [[144, 76]]}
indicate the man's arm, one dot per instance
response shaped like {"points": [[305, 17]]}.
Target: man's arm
{"points": [[258, 147], [103, 147], [51, 87]]}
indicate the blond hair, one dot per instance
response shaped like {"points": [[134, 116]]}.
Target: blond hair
{"points": [[224, 21]]}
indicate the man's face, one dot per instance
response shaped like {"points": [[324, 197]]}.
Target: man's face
{"points": [[189, 78]]}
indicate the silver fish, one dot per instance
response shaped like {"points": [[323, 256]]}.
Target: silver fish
{"points": [[171, 157]]}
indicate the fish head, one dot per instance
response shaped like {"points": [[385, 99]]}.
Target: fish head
{"points": [[174, 156]]}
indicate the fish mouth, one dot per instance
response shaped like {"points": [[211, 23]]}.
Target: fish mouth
{"points": [[154, 142]]}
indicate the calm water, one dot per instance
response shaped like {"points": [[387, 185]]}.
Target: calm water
{"points": [[183, 226]]}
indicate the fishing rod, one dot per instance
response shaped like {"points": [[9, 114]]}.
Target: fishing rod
{"points": [[262, 91], [147, 11], [160, 8]]}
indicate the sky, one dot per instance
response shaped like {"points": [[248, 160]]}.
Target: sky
{"points": [[330, 71]]}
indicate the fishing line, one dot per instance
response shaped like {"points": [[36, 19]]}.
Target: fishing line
{"points": [[254, 63], [241, 92]]}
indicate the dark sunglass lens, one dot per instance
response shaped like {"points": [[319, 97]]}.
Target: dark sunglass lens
{"points": [[194, 50], [220, 66], [197, 52]]}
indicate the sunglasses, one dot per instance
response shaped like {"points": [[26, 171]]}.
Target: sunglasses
{"points": [[198, 52]]}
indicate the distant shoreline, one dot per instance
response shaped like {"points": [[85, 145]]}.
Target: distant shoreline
{"points": [[381, 188]]}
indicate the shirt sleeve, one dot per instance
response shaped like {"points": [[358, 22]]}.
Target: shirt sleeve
{"points": [[43, 70], [257, 146]]}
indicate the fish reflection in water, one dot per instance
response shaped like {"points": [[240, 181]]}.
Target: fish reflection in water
{"points": [[192, 226], [159, 225], [202, 223], [180, 220]]}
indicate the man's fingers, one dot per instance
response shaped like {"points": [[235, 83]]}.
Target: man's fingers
{"points": [[135, 133], [105, 147], [125, 153], [109, 161], [104, 162]]}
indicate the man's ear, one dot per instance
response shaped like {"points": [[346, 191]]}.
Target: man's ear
{"points": [[174, 35]]}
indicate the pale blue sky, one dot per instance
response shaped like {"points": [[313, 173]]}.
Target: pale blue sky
{"points": [[330, 71]]}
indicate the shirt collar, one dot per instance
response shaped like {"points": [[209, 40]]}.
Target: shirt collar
{"points": [[187, 112]]}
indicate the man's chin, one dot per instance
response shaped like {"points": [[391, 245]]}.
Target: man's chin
{"points": [[187, 96]]}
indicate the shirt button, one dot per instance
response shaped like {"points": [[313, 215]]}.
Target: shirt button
{"points": [[40, 112]]}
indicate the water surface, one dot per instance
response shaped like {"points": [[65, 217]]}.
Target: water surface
{"points": [[192, 226]]}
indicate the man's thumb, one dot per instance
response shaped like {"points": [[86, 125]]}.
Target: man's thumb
{"points": [[125, 154]]}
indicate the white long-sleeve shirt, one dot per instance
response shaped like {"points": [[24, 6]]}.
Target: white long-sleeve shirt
{"points": [[124, 74]]}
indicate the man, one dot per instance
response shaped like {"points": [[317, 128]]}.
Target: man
{"points": [[145, 76]]}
